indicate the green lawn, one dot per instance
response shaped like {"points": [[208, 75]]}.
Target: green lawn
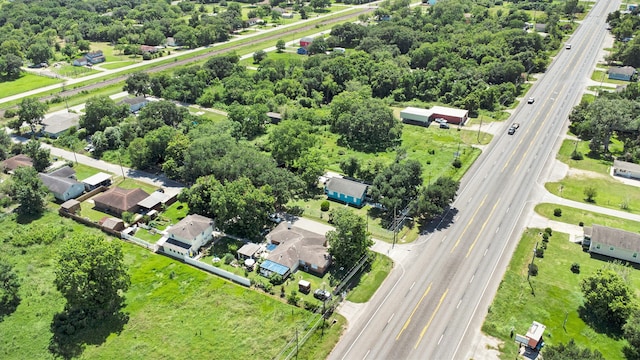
{"points": [[118, 64], [26, 82], [602, 77], [574, 216], [173, 309], [87, 211], [74, 71], [553, 295], [147, 235], [588, 162], [133, 184], [84, 171], [176, 212], [370, 282], [273, 55]]}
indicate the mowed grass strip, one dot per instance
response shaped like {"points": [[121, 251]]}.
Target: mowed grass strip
{"points": [[370, 281], [26, 82], [173, 310], [551, 297], [574, 216]]}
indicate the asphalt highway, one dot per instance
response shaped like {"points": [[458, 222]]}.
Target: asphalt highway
{"points": [[434, 302]]}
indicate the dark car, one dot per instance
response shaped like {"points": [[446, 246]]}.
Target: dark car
{"points": [[444, 126], [322, 294]]}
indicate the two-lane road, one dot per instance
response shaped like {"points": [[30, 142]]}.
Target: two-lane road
{"points": [[433, 304]]}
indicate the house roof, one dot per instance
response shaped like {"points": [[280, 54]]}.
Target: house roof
{"points": [[82, 59], [65, 172], [274, 115], [442, 110], [153, 200], [134, 101], [416, 111], [56, 184], [190, 227], [15, 162], [535, 331], [297, 245], [121, 199], [274, 267], [615, 237], [70, 204], [249, 249], [625, 70], [59, 122], [346, 187], [623, 165], [96, 179]]}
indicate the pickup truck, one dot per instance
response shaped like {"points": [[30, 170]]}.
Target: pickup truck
{"points": [[513, 128]]}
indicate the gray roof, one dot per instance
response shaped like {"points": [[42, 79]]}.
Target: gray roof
{"points": [[70, 203], [615, 237], [96, 179], [55, 184], [65, 172], [625, 70], [623, 165], [121, 199], [249, 249], [134, 101], [346, 187], [153, 200], [190, 227], [59, 122]]}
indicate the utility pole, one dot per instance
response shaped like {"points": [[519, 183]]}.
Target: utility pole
{"points": [[479, 127], [535, 250], [395, 219]]}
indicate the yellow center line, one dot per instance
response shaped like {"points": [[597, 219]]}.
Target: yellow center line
{"points": [[431, 319], [482, 228], [413, 312], [468, 224]]}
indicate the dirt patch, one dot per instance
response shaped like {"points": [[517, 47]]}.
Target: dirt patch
{"points": [[573, 172], [488, 348]]}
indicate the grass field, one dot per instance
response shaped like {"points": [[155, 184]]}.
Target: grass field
{"points": [[371, 281], [574, 216], [549, 298], [74, 71], [26, 82], [118, 64], [173, 310], [588, 162]]}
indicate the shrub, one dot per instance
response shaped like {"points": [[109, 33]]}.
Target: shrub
{"points": [[540, 252], [457, 163], [228, 258], [575, 268], [324, 206], [127, 217], [557, 212], [293, 298], [275, 279], [548, 231], [545, 237], [533, 269], [576, 155], [9, 113], [581, 223]]}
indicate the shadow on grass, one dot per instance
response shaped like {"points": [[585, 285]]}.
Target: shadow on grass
{"points": [[25, 219], [601, 326], [72, 331], [9, 307]]}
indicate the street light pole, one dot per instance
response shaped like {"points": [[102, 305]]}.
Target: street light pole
{"points": [[479, 127]]}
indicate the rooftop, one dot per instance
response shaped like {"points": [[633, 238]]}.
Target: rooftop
{"points": [[96, 179], [190, 227], [121, 199], [346, 187], [614, 237]]}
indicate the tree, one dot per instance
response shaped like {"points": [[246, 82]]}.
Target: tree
{"points": [[9, 286], [91, 275], [350, 166], [258, 56], [27, 189], [39, 52], [319, 4], [138, 84], [290, 139], [310, 166], [280, 45], [32, 112], [631, 332], [570, 351], [5, 144], [435, 198], [397, 185], [590, 192], [350, 241], [10, 66], [101, 112], [609, 300], [39, 155]]}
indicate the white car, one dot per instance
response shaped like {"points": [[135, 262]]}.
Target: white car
{"points": [[568, 47], [530, 100]]}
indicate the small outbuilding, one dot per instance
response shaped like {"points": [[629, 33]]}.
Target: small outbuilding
{"points": [[346, 191], [626, 169], [70, 206], [113, 224], [248, 251], [624, 73], [416, 116], [135, 104], [274, 117], [97, 180], [304, 286]]}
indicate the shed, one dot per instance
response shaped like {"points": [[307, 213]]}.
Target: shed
{"points": [[452, 115], [274, 117], [56, 124], [346, 191], [624, 73], [97, 180], [416, 116], [153, 201], [306, 41], [534, 335], [70, 206], [111, 223], [626, 169], [304, 286]]}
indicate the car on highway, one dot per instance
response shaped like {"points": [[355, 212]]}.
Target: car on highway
{"points": [[530, 100], [513, 128], [568, 47]]}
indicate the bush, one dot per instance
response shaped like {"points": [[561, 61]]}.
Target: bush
{"points": [[557, 212], [545, 237], [293, 298], [581, 223], [9, 113], [127, 217], [533, 269], [548, 231], [276, 279], [457, 163], [540, 252], [575, 268], [576, 155], [324, 206], [228, 258]]}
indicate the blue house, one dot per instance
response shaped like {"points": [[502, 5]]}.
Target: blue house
{"points": [[346, 191], [624, 73]]}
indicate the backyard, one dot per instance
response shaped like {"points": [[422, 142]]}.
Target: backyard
{"points": [[551, 297]]}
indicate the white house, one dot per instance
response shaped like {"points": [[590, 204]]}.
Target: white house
{"points": [[615, 243], [626, 169], [187, 236]]}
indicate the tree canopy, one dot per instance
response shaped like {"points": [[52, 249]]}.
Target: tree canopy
{"points": [[608, 299], [27, 189], [570, 351], [9, 286], [350, 241]]}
